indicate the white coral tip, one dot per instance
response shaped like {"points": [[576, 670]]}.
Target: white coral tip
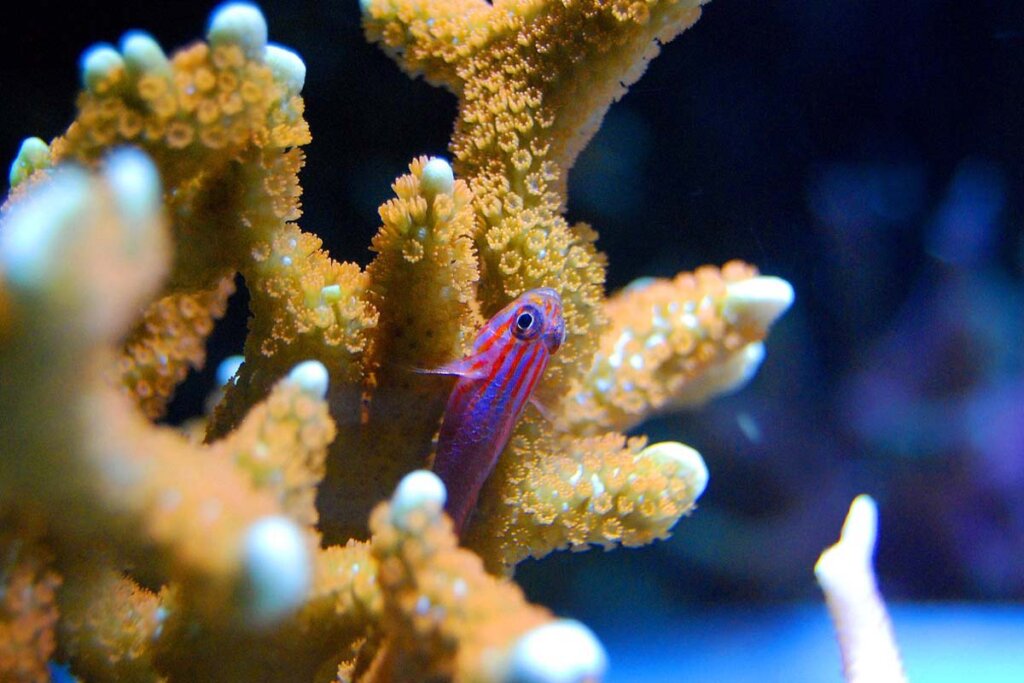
{"points": [[729, 375], [562, 651], [848, 562], [437, 177], [135, 183], [277, 570], [639, 284], [759, 301], [32, 231], [860, 530], [239, 23], [142, 54], [331, 293], [862, 624], [741, 368], [33, 155], [689, 464], [99, 63], [311, 376], [420, 490], [287, 67]]}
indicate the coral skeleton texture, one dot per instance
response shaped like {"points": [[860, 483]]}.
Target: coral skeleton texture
{"points": [[305, 538]]}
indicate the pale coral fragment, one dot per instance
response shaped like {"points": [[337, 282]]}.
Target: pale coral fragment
{"points": [[858, 612]]}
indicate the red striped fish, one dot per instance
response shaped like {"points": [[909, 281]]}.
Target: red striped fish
{"points": [[495, 381]]}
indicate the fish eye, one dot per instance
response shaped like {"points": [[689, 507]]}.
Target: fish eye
{"points": [[525, 325]]}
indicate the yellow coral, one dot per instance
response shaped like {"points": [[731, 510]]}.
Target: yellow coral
{"points": [[572, 492], [114, 267], [28, 610], [108, 626], [282, 443], [677, 343], [533, 81], [155, 497], [424, 245], [446, 618], [168, 342], [423, 284]]}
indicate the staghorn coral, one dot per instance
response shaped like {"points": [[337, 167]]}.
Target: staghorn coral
{"points": [[258, 555]]}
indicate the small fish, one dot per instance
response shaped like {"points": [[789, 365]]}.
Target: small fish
{"points": [[495, 381]]}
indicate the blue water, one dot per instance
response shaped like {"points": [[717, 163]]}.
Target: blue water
{"points": [[940, 643]]}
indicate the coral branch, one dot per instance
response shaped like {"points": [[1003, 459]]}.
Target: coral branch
{"points": [[448, 619], [28, 611], [282, 443], [532, 90], [677, 343], [558, 493], [82, 458], [540, 70], [168, 342], [862, 623], [431, 37], [423, 284], [110, 624]]}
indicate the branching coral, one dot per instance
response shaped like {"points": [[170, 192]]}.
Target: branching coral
{"points": [[251, 556], [533, 81]]}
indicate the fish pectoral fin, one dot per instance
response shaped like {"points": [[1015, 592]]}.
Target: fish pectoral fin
{"points": [[458, 368], [543, 409]]}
